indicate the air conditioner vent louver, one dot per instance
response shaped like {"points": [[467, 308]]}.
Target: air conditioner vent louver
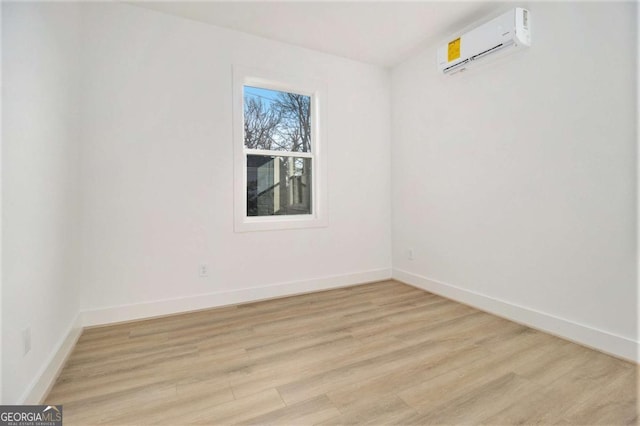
{"points": [[487, 51], [456, 66]]}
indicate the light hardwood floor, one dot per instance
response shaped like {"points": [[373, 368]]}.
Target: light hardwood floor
{"points": [[381, 353]]}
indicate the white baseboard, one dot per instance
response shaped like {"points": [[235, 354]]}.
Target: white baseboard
{"points": [[47, 376], [606, 342], [136, 311], [603, 341], [40, 387]]}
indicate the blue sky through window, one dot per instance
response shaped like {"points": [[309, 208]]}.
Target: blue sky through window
{"points": [[267, 96], [275, 120]]}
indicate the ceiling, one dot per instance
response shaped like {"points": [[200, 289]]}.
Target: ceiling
{"points": [[382, 33]]}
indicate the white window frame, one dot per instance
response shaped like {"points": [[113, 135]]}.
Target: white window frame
{"points": [[244, 76]]}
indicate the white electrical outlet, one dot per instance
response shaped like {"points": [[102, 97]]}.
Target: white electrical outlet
{"points": [[203, 270], [410, 254], [26, 340]]}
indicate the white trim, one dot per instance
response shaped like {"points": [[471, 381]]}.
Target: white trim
{"points": [[46, 377], [44, 381], [266, 152], [137, 311], [600, 340], [294, 84]]}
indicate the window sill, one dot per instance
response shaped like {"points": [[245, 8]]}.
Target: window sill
{"points": [[275, 223]]}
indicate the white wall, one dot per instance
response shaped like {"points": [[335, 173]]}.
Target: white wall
{"points": [[40, 187], [517, 182], [158, 170]]}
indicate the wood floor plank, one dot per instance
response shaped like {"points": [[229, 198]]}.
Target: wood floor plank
{"points": [[386, 409], [456, 382], [105, 408], [480, 402], [379, 353], [404, 377], [310, 412]]}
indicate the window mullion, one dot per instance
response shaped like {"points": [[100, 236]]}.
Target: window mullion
{"points": [[266, 152]]}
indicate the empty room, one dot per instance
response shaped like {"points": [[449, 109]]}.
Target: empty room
{"points": [[310, 212]]}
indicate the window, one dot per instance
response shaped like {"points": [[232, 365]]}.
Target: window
{"points": [[278, 147], [279, 174]]}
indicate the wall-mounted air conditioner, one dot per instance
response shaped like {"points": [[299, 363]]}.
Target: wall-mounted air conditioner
{"points": [[499, 36]]}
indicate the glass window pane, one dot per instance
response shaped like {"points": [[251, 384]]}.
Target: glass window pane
{"points": [[278, 185], [276, 121]]}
